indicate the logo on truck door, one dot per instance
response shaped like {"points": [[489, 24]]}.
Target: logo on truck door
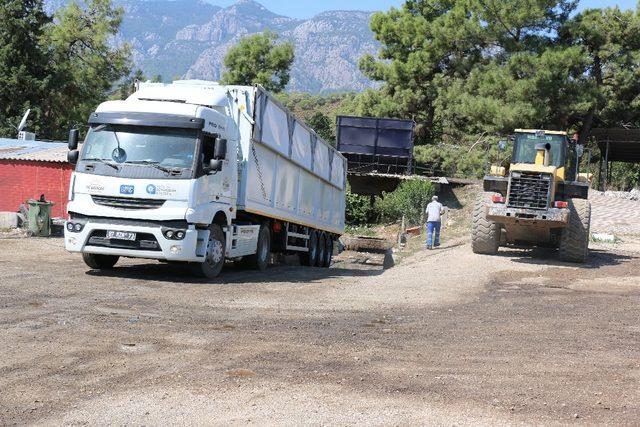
{"points": [[127, 189]]}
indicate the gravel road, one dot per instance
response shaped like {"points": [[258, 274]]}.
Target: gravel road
{"points": [[447, 337]]}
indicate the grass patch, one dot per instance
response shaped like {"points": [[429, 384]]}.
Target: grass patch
{"points": [[360, 230]]}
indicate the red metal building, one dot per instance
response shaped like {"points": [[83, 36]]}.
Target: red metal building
{"points": [[29, 169]]}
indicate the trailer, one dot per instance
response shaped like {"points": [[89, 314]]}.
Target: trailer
{"points": [[201, 173], [378, 145]]}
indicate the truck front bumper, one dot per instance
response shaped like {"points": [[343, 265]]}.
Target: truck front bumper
{"points": [[150, 241], [554, 217]]}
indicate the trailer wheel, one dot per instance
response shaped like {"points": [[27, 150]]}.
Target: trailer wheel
{"points": [[214, 258], [309, 258], [98, 262], [322, 250], [260, 260], [328, 251], [485, 234], [574, 240]]}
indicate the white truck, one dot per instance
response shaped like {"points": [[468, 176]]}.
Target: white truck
{"points": [[200, 173]]}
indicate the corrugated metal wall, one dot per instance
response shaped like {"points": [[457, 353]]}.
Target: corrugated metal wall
{"points": [[21, 180]]}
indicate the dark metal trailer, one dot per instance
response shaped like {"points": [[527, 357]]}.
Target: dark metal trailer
{"points": [[376, 145]]}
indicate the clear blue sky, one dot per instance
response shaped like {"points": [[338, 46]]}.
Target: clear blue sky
{"points": [[308, 8]]}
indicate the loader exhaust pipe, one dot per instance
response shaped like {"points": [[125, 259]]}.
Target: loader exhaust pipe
{"points": [[543, 154]]}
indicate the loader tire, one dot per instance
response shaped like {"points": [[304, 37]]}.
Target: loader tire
{"points": [[485, 234], [574, 240]]}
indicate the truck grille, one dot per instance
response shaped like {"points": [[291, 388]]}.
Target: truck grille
{"points": [[127, 203], [529, 190]]}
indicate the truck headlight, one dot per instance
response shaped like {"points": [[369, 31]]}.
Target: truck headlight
{"points": [[74, 227], [173, 234]]}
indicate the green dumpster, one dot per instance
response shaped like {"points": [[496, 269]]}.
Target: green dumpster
{"points": [[39, 220]]}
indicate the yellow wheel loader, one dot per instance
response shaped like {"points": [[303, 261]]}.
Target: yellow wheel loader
{"points": [[538, 199]]}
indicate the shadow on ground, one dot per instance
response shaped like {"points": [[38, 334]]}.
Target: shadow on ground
{"points": [[548, 256], [231, 274]]}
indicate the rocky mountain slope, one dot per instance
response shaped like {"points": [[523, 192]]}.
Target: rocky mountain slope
{"points": [[189, 38]]}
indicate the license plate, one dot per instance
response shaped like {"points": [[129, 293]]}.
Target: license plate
{"points": [[121, 235]]}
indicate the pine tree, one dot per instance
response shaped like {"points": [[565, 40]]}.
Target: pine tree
{"points": [[85, 63], [257, 59], [23, 63]]}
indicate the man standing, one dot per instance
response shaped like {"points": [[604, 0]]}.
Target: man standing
{"points": [[434, 213]]}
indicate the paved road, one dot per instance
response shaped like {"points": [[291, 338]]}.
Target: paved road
{"points": [[447, 337], [614, 215]]}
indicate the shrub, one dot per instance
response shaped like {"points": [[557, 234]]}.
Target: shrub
{"points": [[358, 209], [409, 199]]}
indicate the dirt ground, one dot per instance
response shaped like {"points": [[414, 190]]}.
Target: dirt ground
{"points": [[446, 337]]}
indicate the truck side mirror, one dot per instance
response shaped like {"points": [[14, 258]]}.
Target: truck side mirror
{"points": [[220, 149], [502, 144], [72, 156], [73, 139], [579, 150], [215, 165]]}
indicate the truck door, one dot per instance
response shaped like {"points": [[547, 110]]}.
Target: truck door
{"points": [[217, 185]]}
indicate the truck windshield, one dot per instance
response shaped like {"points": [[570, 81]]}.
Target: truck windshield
{"points": [[162, 148], [524, 150]]}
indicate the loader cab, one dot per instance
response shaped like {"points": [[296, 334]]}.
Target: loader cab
{"points": [[530, 145], [526, 147]]}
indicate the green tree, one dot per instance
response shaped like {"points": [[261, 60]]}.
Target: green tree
{"points": [[24, 75], [609, 40], [358, 209], [85, 62], [127, 85], [409, 199], [258, 59], [431, 46], [323, 127]]}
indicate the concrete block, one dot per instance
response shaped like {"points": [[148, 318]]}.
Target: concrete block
{"points": [[8, 220], [603, 238]]}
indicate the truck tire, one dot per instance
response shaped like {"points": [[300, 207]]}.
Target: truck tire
{"points": [[328, 251], [214, 258], [322, 250], [485, 234], [574, 240], [260, 260], [99, 262], [311, 257]]}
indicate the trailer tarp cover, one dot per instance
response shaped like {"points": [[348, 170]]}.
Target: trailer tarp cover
{"points": [[375, 136]]}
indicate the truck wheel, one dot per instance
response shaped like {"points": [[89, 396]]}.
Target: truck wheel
{"points": [[98, 262], [321, 250], [214, 258], [574, 240], [485, 234], [328, 251], [260, 260], [309, 258]]}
